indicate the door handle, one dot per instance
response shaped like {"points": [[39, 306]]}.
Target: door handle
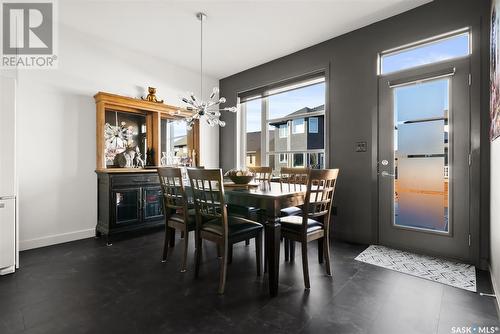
{"points": [[387, 174]]}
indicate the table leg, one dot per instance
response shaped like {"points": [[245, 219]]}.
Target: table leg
{"points": [[273, 234]]}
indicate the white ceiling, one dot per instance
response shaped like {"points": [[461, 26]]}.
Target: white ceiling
{"points": [[238, 34]]}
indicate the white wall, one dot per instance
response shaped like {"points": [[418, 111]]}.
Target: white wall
{"points": [[495, 215], [56, 130]]}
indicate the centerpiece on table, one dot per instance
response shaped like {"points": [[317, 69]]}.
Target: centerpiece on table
{"points": [[239, 176]]}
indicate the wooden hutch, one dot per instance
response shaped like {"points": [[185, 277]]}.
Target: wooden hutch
{"points": [[129, 199]]}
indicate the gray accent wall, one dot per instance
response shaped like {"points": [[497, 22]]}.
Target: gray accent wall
{"points": [[350, 65]]}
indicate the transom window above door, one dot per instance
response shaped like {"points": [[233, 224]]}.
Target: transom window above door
{"points": [[284, 125], [432, 50]]}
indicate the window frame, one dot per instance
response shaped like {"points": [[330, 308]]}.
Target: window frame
{"points": [[303, 159], [283, 130], [294, 126], [318, 77], [309, 127], [427, 41]]}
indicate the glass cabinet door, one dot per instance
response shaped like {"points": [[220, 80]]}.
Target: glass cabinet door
{"points": [[152, 203], [127, 205]]}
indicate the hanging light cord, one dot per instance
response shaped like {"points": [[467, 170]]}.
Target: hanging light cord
{"points": [[201, 55], [210, 110]]}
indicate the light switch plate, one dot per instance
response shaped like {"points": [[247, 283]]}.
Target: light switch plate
{"points": [[361, 146]]}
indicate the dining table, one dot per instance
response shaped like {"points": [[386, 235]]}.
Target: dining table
{"points": [[270, 197]]}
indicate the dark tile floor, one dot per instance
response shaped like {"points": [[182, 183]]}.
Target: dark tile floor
{"points": [[86, 287]]}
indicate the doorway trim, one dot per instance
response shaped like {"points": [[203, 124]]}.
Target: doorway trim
{"points": [[474, 149]]}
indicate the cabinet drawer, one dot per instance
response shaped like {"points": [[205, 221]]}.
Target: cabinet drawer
{"points": [[134, 179]]}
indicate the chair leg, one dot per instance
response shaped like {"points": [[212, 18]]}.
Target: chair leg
{"points": [[223, 270], [321, 249], [172, 237], [286, 243], [265, 258], [305, 265], [230, 253], [219, 251], [165, 245], [247, 242], [326, 250], [186, 241], [258, 252], [197, 260], [292, 250]]}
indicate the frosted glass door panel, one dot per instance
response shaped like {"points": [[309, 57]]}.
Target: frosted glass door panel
{"points": [[421, 138], [422, 210], [421, 101], [420, 186], [420, 174]]}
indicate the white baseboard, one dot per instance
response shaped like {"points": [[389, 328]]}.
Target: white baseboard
{"points": [[8, 270], [495, 291], [55, 239]]}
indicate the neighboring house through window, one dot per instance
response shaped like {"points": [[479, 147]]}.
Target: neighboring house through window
{"points": [[284, 125]]}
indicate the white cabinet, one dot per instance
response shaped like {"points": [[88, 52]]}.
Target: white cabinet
{"points": [[8, 178], [7, 137], [7, 235]]}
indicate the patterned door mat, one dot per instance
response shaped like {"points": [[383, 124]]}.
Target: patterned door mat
{"points": [[456, 274]]}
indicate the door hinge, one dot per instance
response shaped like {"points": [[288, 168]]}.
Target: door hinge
{"points": [[470, 79], [469, 240]]}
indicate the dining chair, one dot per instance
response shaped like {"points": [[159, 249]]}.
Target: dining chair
{"points": [[261, 173], [291, 179], [178, 214], [314, 222], [214, 224]]}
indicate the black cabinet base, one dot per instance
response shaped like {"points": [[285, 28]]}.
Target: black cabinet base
{"points": [[128, 204], [109, 238]]}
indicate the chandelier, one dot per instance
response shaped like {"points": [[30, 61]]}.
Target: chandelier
{"points": [[209, 110]]}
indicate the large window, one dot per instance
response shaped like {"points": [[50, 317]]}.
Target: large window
{"points": [[292, 117], [252, 128]]}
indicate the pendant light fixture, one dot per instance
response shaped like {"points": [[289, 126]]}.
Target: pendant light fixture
{"points": [[209, 110]]}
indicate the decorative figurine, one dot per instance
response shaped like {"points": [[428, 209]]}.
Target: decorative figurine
{"points": [[139, 162], [164, 159], [126, 158], [130, 158], [152, 96]]}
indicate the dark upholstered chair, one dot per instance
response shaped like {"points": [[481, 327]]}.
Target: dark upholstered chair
{"points": [[261, 173], [292, 178], [214, 224], [178, 214], [314, 222]]}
